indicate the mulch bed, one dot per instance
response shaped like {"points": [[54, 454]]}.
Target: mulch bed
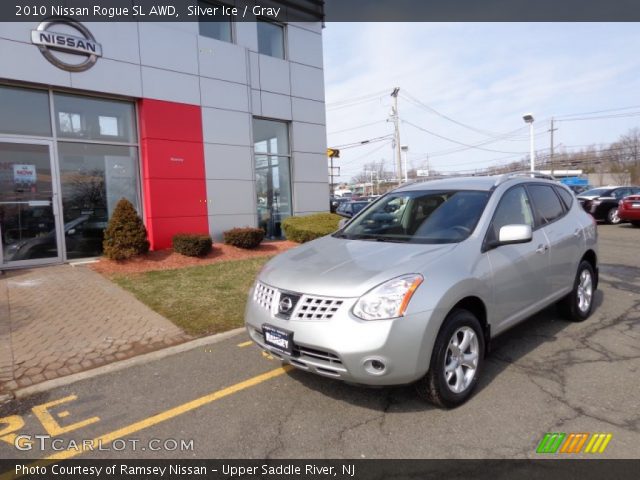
{"points": [[168, 259]]}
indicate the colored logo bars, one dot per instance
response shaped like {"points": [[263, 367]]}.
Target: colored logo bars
{"points": [[574, 443]]}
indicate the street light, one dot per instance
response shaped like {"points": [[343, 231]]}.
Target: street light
{"points": [[405, 149], [528, 118]]}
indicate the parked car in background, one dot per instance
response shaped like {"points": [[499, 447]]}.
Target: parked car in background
{"points": [[414, 288], [350, 209], [629, 210], [578, 189], [602, 203], [335, 202]]}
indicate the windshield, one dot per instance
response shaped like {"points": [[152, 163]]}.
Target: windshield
{"points": [[419, 217], [596, 192]]}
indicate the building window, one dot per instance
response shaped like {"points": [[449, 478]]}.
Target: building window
{"points": [[24, 111], [98, 159], [271, 39], [220, 30], [273, 174]]}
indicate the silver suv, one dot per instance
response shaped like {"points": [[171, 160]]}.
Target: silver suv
{"points": [[414, 287]]}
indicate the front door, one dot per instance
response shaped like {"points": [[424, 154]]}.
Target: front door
{"points": [[29, 222]]}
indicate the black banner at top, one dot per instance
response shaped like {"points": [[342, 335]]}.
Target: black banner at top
{"points": [[323, 10]]}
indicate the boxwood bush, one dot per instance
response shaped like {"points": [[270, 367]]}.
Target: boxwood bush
{"points": [[192, 244], [125, 235], [246, 237], [310, 227]]}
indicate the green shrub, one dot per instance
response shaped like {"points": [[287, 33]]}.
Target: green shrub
{"points": [[125, 235], [310, 227], [247, 237], [192, 244]]}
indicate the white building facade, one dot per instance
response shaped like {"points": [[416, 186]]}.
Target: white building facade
{"points": [[203, 126]]}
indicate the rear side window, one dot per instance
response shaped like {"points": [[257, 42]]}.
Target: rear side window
{"points": [[546, 203], [566, 196]]}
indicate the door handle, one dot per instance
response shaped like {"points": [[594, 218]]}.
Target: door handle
{"points": [[542, 248]]}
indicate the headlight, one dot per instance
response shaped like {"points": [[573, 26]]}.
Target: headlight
{"points": [[389, 299]]}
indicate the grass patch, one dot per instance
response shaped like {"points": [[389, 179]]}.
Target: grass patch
{"points": [[201, 300]]}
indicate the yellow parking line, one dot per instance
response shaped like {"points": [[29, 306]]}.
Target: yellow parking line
{"points": [[245, 344], [174, 412], [161, 417]]}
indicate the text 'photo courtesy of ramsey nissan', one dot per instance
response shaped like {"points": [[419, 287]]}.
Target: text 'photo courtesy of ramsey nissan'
{"points": [[319, 239]]}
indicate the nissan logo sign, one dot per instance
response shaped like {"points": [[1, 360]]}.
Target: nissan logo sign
{"points": [[50, 41], [285, 305]]}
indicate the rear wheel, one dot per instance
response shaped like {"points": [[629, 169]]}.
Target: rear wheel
{"points": [[577, 306], [456, 361], [612, 216]]}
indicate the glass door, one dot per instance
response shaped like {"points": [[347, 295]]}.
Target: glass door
{"points": [[29, 224]]}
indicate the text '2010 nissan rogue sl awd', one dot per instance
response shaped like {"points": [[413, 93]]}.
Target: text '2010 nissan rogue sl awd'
{"points": [[413, 288]]}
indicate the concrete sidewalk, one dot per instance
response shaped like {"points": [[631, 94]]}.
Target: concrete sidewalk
{"points": [[59, 320]]}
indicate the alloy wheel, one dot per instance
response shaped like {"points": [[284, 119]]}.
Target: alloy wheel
{"points": [[461, 361]]}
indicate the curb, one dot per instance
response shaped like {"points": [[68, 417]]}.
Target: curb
{"points": [[122, 364]]}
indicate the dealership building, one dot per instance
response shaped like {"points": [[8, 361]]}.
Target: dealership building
{"points": [[203, 126]]}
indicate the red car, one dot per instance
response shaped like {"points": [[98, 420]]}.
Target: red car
{"points": [[629, 210]]}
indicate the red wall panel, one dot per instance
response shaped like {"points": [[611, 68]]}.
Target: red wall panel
{"points": [[173, 174]]}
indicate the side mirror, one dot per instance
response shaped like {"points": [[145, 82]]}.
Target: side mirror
{"points": [[510, 234], [342, 222]]}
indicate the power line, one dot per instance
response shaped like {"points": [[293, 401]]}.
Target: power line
{"points": [[597, 111], [456, 141], [356, 127], [363, 142]]}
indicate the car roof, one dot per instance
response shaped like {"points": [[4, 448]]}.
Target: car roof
{"points": [[483, 183]]}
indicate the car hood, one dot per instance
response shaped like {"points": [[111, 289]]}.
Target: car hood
{"points": [[347, 268]]}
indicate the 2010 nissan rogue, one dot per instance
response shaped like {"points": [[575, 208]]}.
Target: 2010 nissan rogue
{"points": [[413, 288]]}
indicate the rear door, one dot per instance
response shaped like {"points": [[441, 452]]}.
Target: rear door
{"points": [[563, 234]]}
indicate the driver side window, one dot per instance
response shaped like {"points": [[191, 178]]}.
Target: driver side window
{"points": [[513, 209]]}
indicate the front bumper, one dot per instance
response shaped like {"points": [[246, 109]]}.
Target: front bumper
{"points": [[347, 348]]}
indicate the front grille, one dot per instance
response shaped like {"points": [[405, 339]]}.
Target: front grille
{"points": [[308, 307], [264, 296], [312, 353], [317, 308], [305, 353]]}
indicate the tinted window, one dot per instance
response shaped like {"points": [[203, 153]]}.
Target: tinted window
{"points": [[620, 193], [419, 217], [596, 192], [566, 196], [546, 203], [513, 209]]}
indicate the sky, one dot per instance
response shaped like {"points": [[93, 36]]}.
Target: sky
{"points": [[484, 76]]}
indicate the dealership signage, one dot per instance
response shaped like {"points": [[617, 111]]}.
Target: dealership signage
{"points": [[50, 40], [24, 174]]}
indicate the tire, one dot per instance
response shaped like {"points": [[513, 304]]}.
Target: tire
{"points": [[434, 386], [612, 216], [570, 306], [635, 224]]}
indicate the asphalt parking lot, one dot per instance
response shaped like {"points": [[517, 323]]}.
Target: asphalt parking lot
{"points": [[227, 400]]}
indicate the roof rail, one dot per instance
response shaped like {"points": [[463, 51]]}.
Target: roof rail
{"points": [[426, 179], [523, 173]]}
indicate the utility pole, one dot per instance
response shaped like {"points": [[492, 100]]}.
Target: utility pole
{"points": [[551, 130], [396, 124]]}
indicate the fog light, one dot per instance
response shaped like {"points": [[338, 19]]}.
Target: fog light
{"points": [[374, 366]]}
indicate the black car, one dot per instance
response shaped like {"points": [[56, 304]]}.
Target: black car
{"points": [[350, 209], [602, 203], [335, 202]]}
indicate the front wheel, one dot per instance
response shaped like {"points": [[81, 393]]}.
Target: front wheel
{"points": [[612, 216], [577, 306], [456, 361]]}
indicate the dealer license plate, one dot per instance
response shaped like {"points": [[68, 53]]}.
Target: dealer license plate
{"points": [[278, 338]]}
